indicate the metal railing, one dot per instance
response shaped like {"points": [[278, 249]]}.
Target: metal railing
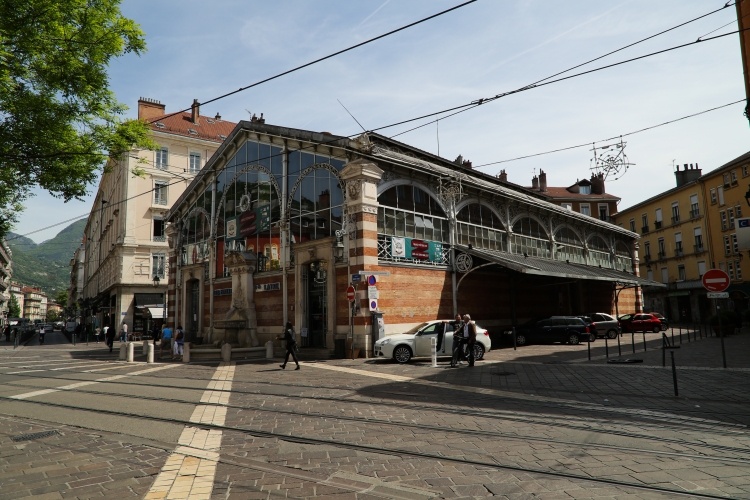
{"points": [[657, 224], [675, 219], [662, 255], [698, 248], [644, 229], [695, 213]]}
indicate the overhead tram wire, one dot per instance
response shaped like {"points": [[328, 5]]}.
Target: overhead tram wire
{"points": [[329, 56], [588, 144], [469, 105]]}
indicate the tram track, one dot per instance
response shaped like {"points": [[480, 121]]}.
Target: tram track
{"points": [[378, 449], [450, 430]]}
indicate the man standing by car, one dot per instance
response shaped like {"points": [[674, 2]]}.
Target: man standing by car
{"points": [[470, 336], [458, 341]]}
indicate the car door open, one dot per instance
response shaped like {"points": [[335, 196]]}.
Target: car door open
{"points": [[422, 340]]}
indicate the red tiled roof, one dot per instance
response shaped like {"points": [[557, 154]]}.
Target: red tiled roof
{"points": [[561, 192], [182, 124]]}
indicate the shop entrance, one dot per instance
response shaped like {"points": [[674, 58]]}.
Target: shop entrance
{"points": [[317, 305], [193, 311]]}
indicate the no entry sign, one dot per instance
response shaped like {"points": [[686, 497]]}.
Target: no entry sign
{"points": [[715, 280], [350, 293]]}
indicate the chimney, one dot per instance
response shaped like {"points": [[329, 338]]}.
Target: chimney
{"points": [[149, 108], [503, 176], [542, 181], [195, 112], [217, 117], [597, 184], [687, 175], [535, 182]]}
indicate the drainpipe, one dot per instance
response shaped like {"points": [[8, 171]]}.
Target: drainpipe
{"points": [[211, 262]]}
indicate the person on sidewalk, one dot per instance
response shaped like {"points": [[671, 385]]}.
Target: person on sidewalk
{"points": [[458, 333], [166, 340], [109, 338], [179, 342], [124, 332], [470, 334], [291, 345]]}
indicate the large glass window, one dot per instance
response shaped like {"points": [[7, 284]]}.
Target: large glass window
{"points": [[624, 261], [479, 226], [568, 246], [530, 238], [599, 252], [317, 206], [411, 212]]}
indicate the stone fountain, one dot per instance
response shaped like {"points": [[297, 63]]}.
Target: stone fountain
{"points": [[240, 324]]}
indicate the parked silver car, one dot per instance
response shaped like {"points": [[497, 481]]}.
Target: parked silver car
{"points": [[602, 324]]}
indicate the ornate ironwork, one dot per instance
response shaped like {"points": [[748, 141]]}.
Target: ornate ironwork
{"points": [[304, 173], [610, 160], [248, 168]]}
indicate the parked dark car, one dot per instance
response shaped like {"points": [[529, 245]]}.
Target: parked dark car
{"points": [[664, 321], [556, 329], [640, 322], [604, 325]]}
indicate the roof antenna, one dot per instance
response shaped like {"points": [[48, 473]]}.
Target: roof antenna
{"points": [[360, 125]]}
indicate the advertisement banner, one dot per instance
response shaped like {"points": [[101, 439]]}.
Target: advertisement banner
{"points": [[248, 223], [412, 248], [198, 252]]}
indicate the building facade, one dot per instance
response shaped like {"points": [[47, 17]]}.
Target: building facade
{"points": [[305, 215], [6, 272], [125, 251], [34, 303], [77, 283], [15, 290]]}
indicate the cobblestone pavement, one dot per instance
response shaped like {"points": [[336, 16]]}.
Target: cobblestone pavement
{"points": [[541, 422]]}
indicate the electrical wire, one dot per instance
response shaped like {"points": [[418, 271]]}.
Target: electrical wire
{"points": [[587, 144]]}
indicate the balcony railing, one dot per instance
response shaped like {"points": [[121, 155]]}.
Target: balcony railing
{"points": [[161, 239], [678, 252], [647, 257], [662, 255], [675, 219], [644, 229], [160, 201], [699, 248], [657, 224], [695, 213], [605, 218]]}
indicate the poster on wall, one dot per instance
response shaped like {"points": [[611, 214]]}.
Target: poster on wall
{"points": [[412, 248], [197, 252], [249, 223]]}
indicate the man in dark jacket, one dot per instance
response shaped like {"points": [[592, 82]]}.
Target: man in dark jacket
{"points": [[458, 341], [291, 345], [470, 333], [109, 338]]}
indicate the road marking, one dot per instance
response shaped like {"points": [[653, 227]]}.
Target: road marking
{"points": [[190, 469], [66, 367], [124, 365], [88, 382], [387, 376]]}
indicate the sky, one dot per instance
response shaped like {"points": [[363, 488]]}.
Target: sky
{"points": [[199, 50]]}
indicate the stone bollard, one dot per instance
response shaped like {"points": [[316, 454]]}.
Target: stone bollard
{"points": [[186, 352], [269, 349], [131, 349], [226, 353], [150, 353], [123, 351], [145, 347]]}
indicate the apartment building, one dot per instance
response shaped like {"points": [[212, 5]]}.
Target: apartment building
{"points": [[34, 304], [76, 286], [6, 271], [124, 254], [587, 197]]}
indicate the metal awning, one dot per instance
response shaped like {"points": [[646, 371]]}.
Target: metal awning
{"points": [[557, 269], [156, 312]]}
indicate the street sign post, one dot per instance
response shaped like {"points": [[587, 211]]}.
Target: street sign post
{"points": [[350, 293], [715, 280]]}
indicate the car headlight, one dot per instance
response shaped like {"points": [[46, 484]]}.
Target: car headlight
{"points": [[384, 341]]}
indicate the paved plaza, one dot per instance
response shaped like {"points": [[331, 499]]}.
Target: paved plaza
{"points": [[539, 422]]}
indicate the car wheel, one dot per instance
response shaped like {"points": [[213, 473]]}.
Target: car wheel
{"points": [[664, 327], [402, 354], [612, 334], [656, 329], [478, 351], [573, 339], [592, 337], [520, 339]]}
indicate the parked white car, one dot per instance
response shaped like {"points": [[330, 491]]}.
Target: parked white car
{"points": [[416, 342]]}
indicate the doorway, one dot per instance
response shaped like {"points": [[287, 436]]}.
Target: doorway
{"points": [[193, 312], [317, 305]]}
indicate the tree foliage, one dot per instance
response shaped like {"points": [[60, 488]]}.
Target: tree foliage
{"points": [[14, 308], [59, 121], [62, 298], [52, 316]]}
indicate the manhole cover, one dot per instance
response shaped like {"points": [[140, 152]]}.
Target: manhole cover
{"points": [[35, 435], [503, 374], [624, 361]]}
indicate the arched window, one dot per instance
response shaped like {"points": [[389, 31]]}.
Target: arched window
{"points": [[598, 254], [411, 212], [530, 238], [624, 261], [568, 246], [478, 226]]}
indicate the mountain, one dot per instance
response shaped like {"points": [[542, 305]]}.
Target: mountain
{"points": [[46, 265]]}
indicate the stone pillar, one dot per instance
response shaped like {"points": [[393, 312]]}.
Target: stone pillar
{"points": [[361, 209], [240, 324]]}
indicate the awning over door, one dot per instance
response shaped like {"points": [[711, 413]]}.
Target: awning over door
{"points": [[556, 268], [156, 312]]}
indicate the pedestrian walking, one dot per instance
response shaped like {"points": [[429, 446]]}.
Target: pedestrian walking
{"points": [[124, 332], [458, 334], [166, 340], [291, 345], [77, 331], [98, 331], [156, 333], [109, 338], [179, 341], [470, 333], [41, 335]]}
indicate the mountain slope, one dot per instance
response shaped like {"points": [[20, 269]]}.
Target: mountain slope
{"points": [[46, 265]]}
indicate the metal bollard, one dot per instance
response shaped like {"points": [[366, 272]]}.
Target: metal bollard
{"points": [[150, 354], [672, 337], [131, 349], [680, 337], [632, 340], [74, 338], [145, 347], [606, 346], [186, 352], [15, 342], [688, 333], [123, 353], [269, 349], [644, 340], [674, 374], [433, 351], [619, 349], [514, 338]]}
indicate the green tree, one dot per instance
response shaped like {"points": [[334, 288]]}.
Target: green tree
{"points": [[62, 298], [59, 121], [52, 316], [14, 309]]}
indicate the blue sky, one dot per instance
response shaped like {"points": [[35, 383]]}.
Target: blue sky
{"points": [[198, 50]]}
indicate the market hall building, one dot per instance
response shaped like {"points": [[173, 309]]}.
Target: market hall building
{"points": [[280, 222]]}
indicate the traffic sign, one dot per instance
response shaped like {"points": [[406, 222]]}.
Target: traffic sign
{"points": [[372, 292], [373, 304], [356, 278], [350, 292], [715, 280], [372, 280], [718, 295]]}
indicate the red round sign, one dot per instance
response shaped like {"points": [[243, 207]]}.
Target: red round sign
{"points": [[715, 280], [350, 293]]}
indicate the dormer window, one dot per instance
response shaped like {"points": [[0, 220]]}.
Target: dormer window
{"points": [[192, 131], [222, 136], [160, 125], [209, 120], [584, 189]]}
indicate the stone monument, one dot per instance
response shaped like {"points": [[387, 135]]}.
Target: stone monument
{"points": [[240, 324]]}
